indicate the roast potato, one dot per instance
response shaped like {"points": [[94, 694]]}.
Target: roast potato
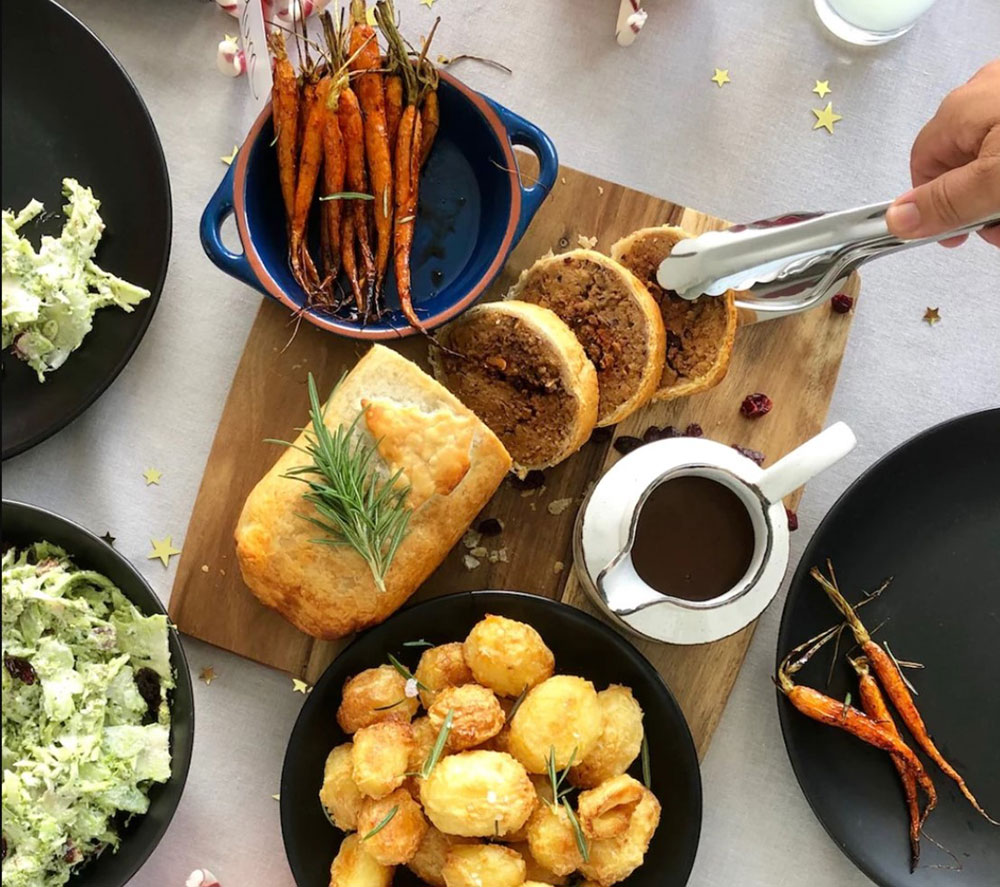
{"points": [[483, 865], [606, 811], [374, 695], [560, 714], [398, 839], [440, 667], [535, 872], [613, 859], [552, 839], [478, 794], [507, 656], [339, 795], [430, 857], [379, 755], [476, 715], [353, 866], [619, 743]]}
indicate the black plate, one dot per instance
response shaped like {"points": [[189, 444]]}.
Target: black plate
{"points": [[69, 109], [582, 646], [927, 514], [24, 524]]}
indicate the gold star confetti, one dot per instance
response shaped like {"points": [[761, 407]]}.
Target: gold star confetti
{"points": [[107, 537], [207, 675], [427, 3], [230, 158], [721, 76], [822, 87], [162, 549], [586, 242], [300, 686], [231, 39], [826, 118], [932, 316], [152, 476], [275, 797]]}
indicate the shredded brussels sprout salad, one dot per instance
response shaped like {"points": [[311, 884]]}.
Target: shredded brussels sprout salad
{"points": [[50, 296], [86, 725]]}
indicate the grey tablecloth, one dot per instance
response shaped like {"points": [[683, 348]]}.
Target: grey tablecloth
{"points": [[648, 117]]}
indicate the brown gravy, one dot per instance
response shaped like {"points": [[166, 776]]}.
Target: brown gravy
{"points": [[694, 539]]}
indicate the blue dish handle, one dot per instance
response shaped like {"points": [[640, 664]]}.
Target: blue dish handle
{"points": [[523, 132], [219, 208]]}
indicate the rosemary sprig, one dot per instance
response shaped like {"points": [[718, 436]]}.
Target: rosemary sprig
{"points": [[899, 668], [347, 195], [517, 703], [357, 505], [390, 705], [438, 747], [647, 775], [557, 779], [406, 673], [581, 841], [382, 823]]}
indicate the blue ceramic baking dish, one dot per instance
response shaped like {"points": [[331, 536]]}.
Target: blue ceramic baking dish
{"points": [[473, 210]]}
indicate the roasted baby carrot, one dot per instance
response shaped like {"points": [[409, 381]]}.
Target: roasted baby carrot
{"points": [[348, 261], [874, 706], [285, 117], [356, 180], [844, 716], [893, 684], [393, 108], [310, 159], [430, 119], [334, 170], [366, 61]]}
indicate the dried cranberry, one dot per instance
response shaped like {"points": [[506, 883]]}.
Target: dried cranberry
{"points": [[602, 434], [626, 443], [841, 303], [693, 430], [148, 683], [531, 481], [20, 669], [489, 526], [793, 519], [756, 405], [753, 455]]}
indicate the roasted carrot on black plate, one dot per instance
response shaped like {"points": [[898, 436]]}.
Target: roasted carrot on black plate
{"points": [[893, 684], [875, 707]]}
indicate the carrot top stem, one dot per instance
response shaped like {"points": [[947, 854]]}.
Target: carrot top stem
{"points": [[861, 634]]}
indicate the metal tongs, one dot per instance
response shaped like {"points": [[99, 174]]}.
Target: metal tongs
{"points": [[790, 263]]}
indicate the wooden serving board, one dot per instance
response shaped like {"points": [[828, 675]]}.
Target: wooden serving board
{"points": [[794, 360]]}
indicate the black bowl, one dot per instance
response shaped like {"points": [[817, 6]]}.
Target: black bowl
{"points": [[24, 524], [582, 646], [70, 109]]}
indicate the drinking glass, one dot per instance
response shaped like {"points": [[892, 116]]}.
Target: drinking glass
{"points": [[870, 22]]}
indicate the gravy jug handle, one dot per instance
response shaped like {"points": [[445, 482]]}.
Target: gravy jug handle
{"points": [[805, 462]]}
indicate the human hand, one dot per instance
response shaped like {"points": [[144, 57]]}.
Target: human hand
{"points": [[955, 164]]}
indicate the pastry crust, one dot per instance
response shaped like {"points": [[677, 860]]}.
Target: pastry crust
{"points": [[528, 377], [612, 314], [328, 591], [700, 334]]}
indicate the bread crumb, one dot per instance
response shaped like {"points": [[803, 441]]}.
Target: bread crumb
{"points": [[558, 506], [525, 494], [479, 551], [470, 562], [563, 179], [471, 539], [222, 572], [204, 568], [502, 555], [494, 556], [549, 254], [600, 189], [531, 505], [558, 566], [587, 242]]}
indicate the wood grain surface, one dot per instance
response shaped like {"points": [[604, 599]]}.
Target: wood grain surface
{"points": [[794, 360]]}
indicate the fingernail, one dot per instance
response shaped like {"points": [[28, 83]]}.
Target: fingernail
{"points": [[903, 217]]}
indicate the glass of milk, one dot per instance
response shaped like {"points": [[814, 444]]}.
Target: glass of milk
{"points": [[869, 22]]}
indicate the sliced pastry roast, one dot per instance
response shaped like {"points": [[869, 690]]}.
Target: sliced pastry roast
{"points": [[699, 333], [525, 374], [614, 317], [446, 464]]}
